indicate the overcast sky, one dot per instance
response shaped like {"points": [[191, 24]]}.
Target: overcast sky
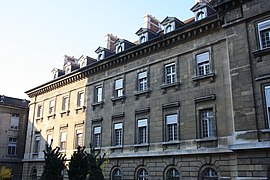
{"points": [[36, 34]]}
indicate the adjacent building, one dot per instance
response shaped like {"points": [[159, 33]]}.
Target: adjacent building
{"points": [[13, 120], [188, 100]]}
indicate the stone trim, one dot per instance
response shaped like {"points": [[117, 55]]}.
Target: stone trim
{"points": [[205, 98]]}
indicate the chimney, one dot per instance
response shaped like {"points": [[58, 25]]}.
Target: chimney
{"points": [[109, 41], [151, 23]]}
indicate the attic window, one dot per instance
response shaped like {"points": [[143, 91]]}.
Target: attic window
{"points": [[82, 64], [200, 15], [168, 28], [142, 39], [67, 70]]}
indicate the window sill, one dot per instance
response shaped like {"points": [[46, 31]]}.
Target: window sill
{"points": [[141, 145], [265, 130], [80, 108], [95, 104], [51, 115], [210, 76], [12, 155], [207, 139], [175, 85], [115, 99], [97, 148], [39, 118], [117, 147], [64, 112], [138, 93], [171, 142], [261, 52], [10, 129]]}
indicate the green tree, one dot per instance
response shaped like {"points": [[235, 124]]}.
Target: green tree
{"points": [[86, 166], [54, 164], [5, 173]]}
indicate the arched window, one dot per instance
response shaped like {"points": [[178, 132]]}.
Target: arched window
{"points": [[200, 15], [117, 174], [119, 49], [172, 174], [34, 174], [142, 39], [100, 56], [209, 174], [142, 174], [168, 28]]}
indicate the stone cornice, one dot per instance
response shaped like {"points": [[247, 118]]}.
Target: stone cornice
{"points": [[185, 33]]}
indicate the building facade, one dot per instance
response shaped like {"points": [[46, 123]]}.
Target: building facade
{"points": [[13, 120], [188, 100]]}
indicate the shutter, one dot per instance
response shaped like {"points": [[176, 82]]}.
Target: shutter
{"points": [[171, 119], [142, 123], [142, 75], [118, 126], [264, 25], [97, 130], [202, 57]]}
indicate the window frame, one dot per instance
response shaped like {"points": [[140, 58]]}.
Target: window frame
{"points": [[173, 175], [39, 111], [97, 138], [263, 29], [80, 99], [63, 140], [119, 91], [172, 75], [98, 94], [144, 81], [142, 127], [211, 126], [37, 142], [14, 122], [118, 134], [142, 174], [78, 131], [267, 105], [205, 64], [174, 126], [52, 106], [119, 174], [12, 146], [65, 103]]}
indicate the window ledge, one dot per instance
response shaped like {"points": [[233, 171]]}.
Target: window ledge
{"points": [[171, 142], [210, 75], [207, 139], [115, 99], [39, 118], [97, 148], [261, 52], [117, 147], [95, 104], [138, 93], [35, 153], [51, 115], [265, 130], [141, 145], [13, 129], [80, 108], [65, 111], [175, 85]]}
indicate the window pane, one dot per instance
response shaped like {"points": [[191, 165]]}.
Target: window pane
{"points": [[207, 123], [170, 76]]}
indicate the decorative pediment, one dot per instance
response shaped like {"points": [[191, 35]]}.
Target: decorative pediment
{"points": [[168, 20]]}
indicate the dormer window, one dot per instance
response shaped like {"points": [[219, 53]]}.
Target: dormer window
{"points": [[202, 10], [168, 28], [142, 39], [82, 64], [67, 70]]}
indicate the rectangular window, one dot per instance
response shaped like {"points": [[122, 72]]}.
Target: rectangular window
{"points": [[142, 81], [171, 127], [63, 140], [12, 146], [39, 109], [118, 85], [264, 34], [51, 106], [203, 64], [118, 134], [97, 137], [98, 93], [80, 99], [14, 122], [267, 101], [37, 143], [170, 73], [79, 138], [207, 123], [49, 139], [142, 131], [65, 103]]}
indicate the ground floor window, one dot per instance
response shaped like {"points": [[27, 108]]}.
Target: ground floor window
{"points": [[209, 174], [117, 174], [172, 174], [142, 174]]}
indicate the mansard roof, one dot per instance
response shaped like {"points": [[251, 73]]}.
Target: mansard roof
{"points": [[14, 102], [100, 49], [143, 30], [119, 41], [200, 5]]}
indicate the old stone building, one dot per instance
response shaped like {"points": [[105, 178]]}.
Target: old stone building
{"points": [[188, 100], [13, 124]]}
